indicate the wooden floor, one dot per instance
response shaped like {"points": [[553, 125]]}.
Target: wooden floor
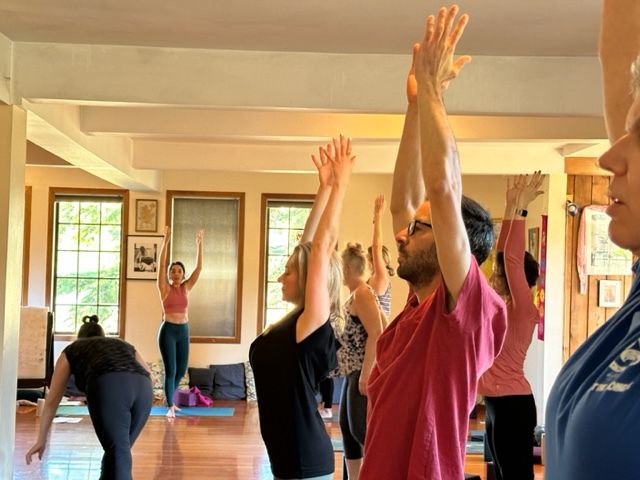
{"points": [[220, 448]]}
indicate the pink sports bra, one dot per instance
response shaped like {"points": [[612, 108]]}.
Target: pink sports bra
{"points": [[177, 300]]}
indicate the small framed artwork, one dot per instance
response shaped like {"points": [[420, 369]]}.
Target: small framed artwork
{"points": [[146, 215], [609, 293], [143, 255], [533, 244]]}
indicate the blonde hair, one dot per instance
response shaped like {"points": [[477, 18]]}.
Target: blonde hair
{"points": [[385, 256], [354, 257], [300, 261]]}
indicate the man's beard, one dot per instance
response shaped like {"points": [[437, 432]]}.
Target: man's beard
{"points": [[419, 268]]}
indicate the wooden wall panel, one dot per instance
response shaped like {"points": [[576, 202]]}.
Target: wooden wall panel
{"points": [[579, 302], [583, 316]]}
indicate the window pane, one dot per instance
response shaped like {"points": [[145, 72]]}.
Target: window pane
{"points": [[88, 264], [110, 238], [298, 217], [108, 318], [87, 291], [278, 241], [274, 296], [68, 212], [278, 217], [213, 302], [276, 266], [87, 261], [111, 213], [90, 212], [66, 290], [89, 239], [285, 227], [67, 237], [294, 239], [109, 265], [65, 318], [108, 292], [67, 264]]}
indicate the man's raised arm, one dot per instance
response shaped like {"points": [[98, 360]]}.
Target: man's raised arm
{"points": [[436, 67], [408, 190]]}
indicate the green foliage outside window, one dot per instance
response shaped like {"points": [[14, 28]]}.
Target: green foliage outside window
{"points": [[285, 224], [87, 263]]}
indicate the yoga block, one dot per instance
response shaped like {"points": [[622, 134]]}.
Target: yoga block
{"points": [[184, 398]]}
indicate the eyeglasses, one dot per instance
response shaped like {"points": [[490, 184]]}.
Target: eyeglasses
{"points": [[411, 228]]}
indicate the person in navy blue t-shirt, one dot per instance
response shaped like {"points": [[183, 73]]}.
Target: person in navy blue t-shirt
{"points": [[593, 414]]}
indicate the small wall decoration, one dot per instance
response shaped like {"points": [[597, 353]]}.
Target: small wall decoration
{"points": [[533, 244], [143, 255], [146, 215], [609, 293]]}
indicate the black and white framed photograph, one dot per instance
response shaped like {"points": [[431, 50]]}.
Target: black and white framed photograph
{"points": [[143, 256], [609, 293]]}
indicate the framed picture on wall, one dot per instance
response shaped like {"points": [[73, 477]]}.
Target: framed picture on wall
{"points": [[533, 243], [143, 256], [609, 293], [146, 215]]}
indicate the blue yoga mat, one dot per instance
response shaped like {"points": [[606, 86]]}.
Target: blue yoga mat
{"points": [[158, 411]]}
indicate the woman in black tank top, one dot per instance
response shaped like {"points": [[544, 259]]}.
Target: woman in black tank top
{"points": [[116, 380]]}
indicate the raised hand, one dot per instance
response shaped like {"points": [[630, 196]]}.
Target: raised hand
{"points": [[378, 205], [530, 188], [435, 65], [199, 237], [167, 233], [322, 163], [514, 184], [339, 154]]}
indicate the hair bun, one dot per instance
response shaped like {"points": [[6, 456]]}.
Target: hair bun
{"points": [[90, 319]]}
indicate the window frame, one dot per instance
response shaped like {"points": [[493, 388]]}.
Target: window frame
{"points": [[89, 192], [262, 274], [240, 197]]}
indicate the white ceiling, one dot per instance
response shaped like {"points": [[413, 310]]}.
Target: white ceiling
{"points": [[498, 27], [122, 94]]}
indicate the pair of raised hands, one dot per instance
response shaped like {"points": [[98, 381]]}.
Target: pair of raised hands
{"points": [[523, 189], [433, 65], [334, 161]]}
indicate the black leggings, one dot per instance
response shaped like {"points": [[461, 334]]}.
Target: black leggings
{"points": [[326, 392], [509, 422], [119, 405], [173, 341], [353, 417]]}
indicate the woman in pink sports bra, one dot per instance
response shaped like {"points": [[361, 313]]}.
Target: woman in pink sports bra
{"points": [[173, 336]]}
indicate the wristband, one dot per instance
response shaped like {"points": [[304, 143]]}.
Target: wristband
{"points": [[522, 212]]}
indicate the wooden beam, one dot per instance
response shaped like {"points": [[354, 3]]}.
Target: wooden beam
{"points": [[583, 166]]}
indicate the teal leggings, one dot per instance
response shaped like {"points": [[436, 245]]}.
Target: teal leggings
{"points": [[173, 340]]}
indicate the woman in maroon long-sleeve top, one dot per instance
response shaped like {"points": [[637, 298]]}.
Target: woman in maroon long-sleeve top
{"points": [[510, 406]]}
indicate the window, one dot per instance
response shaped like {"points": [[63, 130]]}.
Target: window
{"points": [[283, 219], [215, 303], [86, 273]]}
